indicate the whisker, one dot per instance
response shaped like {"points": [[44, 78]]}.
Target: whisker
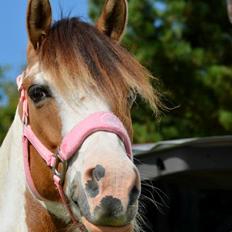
{"points": [[154, 188], [156, 191], [157, 204], [142, 224]]}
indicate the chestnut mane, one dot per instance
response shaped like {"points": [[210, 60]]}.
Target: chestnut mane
{"points": [[75, 53]]}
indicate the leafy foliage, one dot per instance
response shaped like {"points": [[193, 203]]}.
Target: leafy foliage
{"points": [[8, 102], [188, 45]]}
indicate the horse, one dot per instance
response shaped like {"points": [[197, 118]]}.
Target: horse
{"points": [[66, 163]]}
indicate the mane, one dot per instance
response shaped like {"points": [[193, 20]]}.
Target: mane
{"points": [[76, 53]]}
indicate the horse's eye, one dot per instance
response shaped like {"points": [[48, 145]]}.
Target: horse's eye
{"points": [[38, 93]]}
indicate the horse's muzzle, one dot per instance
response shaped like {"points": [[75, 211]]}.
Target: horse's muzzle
{"points": [[107, 195]]}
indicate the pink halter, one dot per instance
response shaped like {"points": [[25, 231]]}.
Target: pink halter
{"points": [[100, 121]]}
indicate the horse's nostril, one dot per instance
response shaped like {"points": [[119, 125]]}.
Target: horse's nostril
{"points": [[109, 212], [75, 202], [134, 195], [98, 172]]}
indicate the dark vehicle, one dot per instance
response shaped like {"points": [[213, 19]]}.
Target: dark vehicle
{"points": [[191, 183]]}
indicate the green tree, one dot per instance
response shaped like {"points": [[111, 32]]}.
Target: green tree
{"points": [[8, 102], [187, 44]]}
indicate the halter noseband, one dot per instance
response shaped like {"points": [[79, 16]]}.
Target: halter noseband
{"points": [[71, 143]]}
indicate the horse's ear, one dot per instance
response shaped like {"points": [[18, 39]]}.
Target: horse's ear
{"points": [[39, 19], [113, 19]]}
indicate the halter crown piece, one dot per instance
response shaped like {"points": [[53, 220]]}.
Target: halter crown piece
{"points": [[71, 143]]}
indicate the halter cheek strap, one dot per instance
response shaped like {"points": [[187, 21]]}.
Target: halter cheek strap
{"points": [[71, 143]]}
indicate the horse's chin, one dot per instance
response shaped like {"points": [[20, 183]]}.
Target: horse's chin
{"points": [[94, 228]]}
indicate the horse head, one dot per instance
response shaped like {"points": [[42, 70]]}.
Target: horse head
{"points": [[74, 71]]}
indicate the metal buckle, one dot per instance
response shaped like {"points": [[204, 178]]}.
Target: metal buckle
{"points": [[60, 167], [25, 120]]}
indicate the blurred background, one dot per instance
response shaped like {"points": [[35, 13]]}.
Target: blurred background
{"points": [[187, 44]]}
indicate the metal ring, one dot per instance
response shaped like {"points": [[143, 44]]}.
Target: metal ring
{"points": [[55, 169]]}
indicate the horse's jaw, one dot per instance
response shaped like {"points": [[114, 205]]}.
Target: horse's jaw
{"points": [[94, 228]]}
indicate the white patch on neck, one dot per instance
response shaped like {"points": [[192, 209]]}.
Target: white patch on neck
{"points": [[12, 181]]}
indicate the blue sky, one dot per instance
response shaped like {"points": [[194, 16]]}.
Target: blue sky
{"points": [[13, 37]]}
